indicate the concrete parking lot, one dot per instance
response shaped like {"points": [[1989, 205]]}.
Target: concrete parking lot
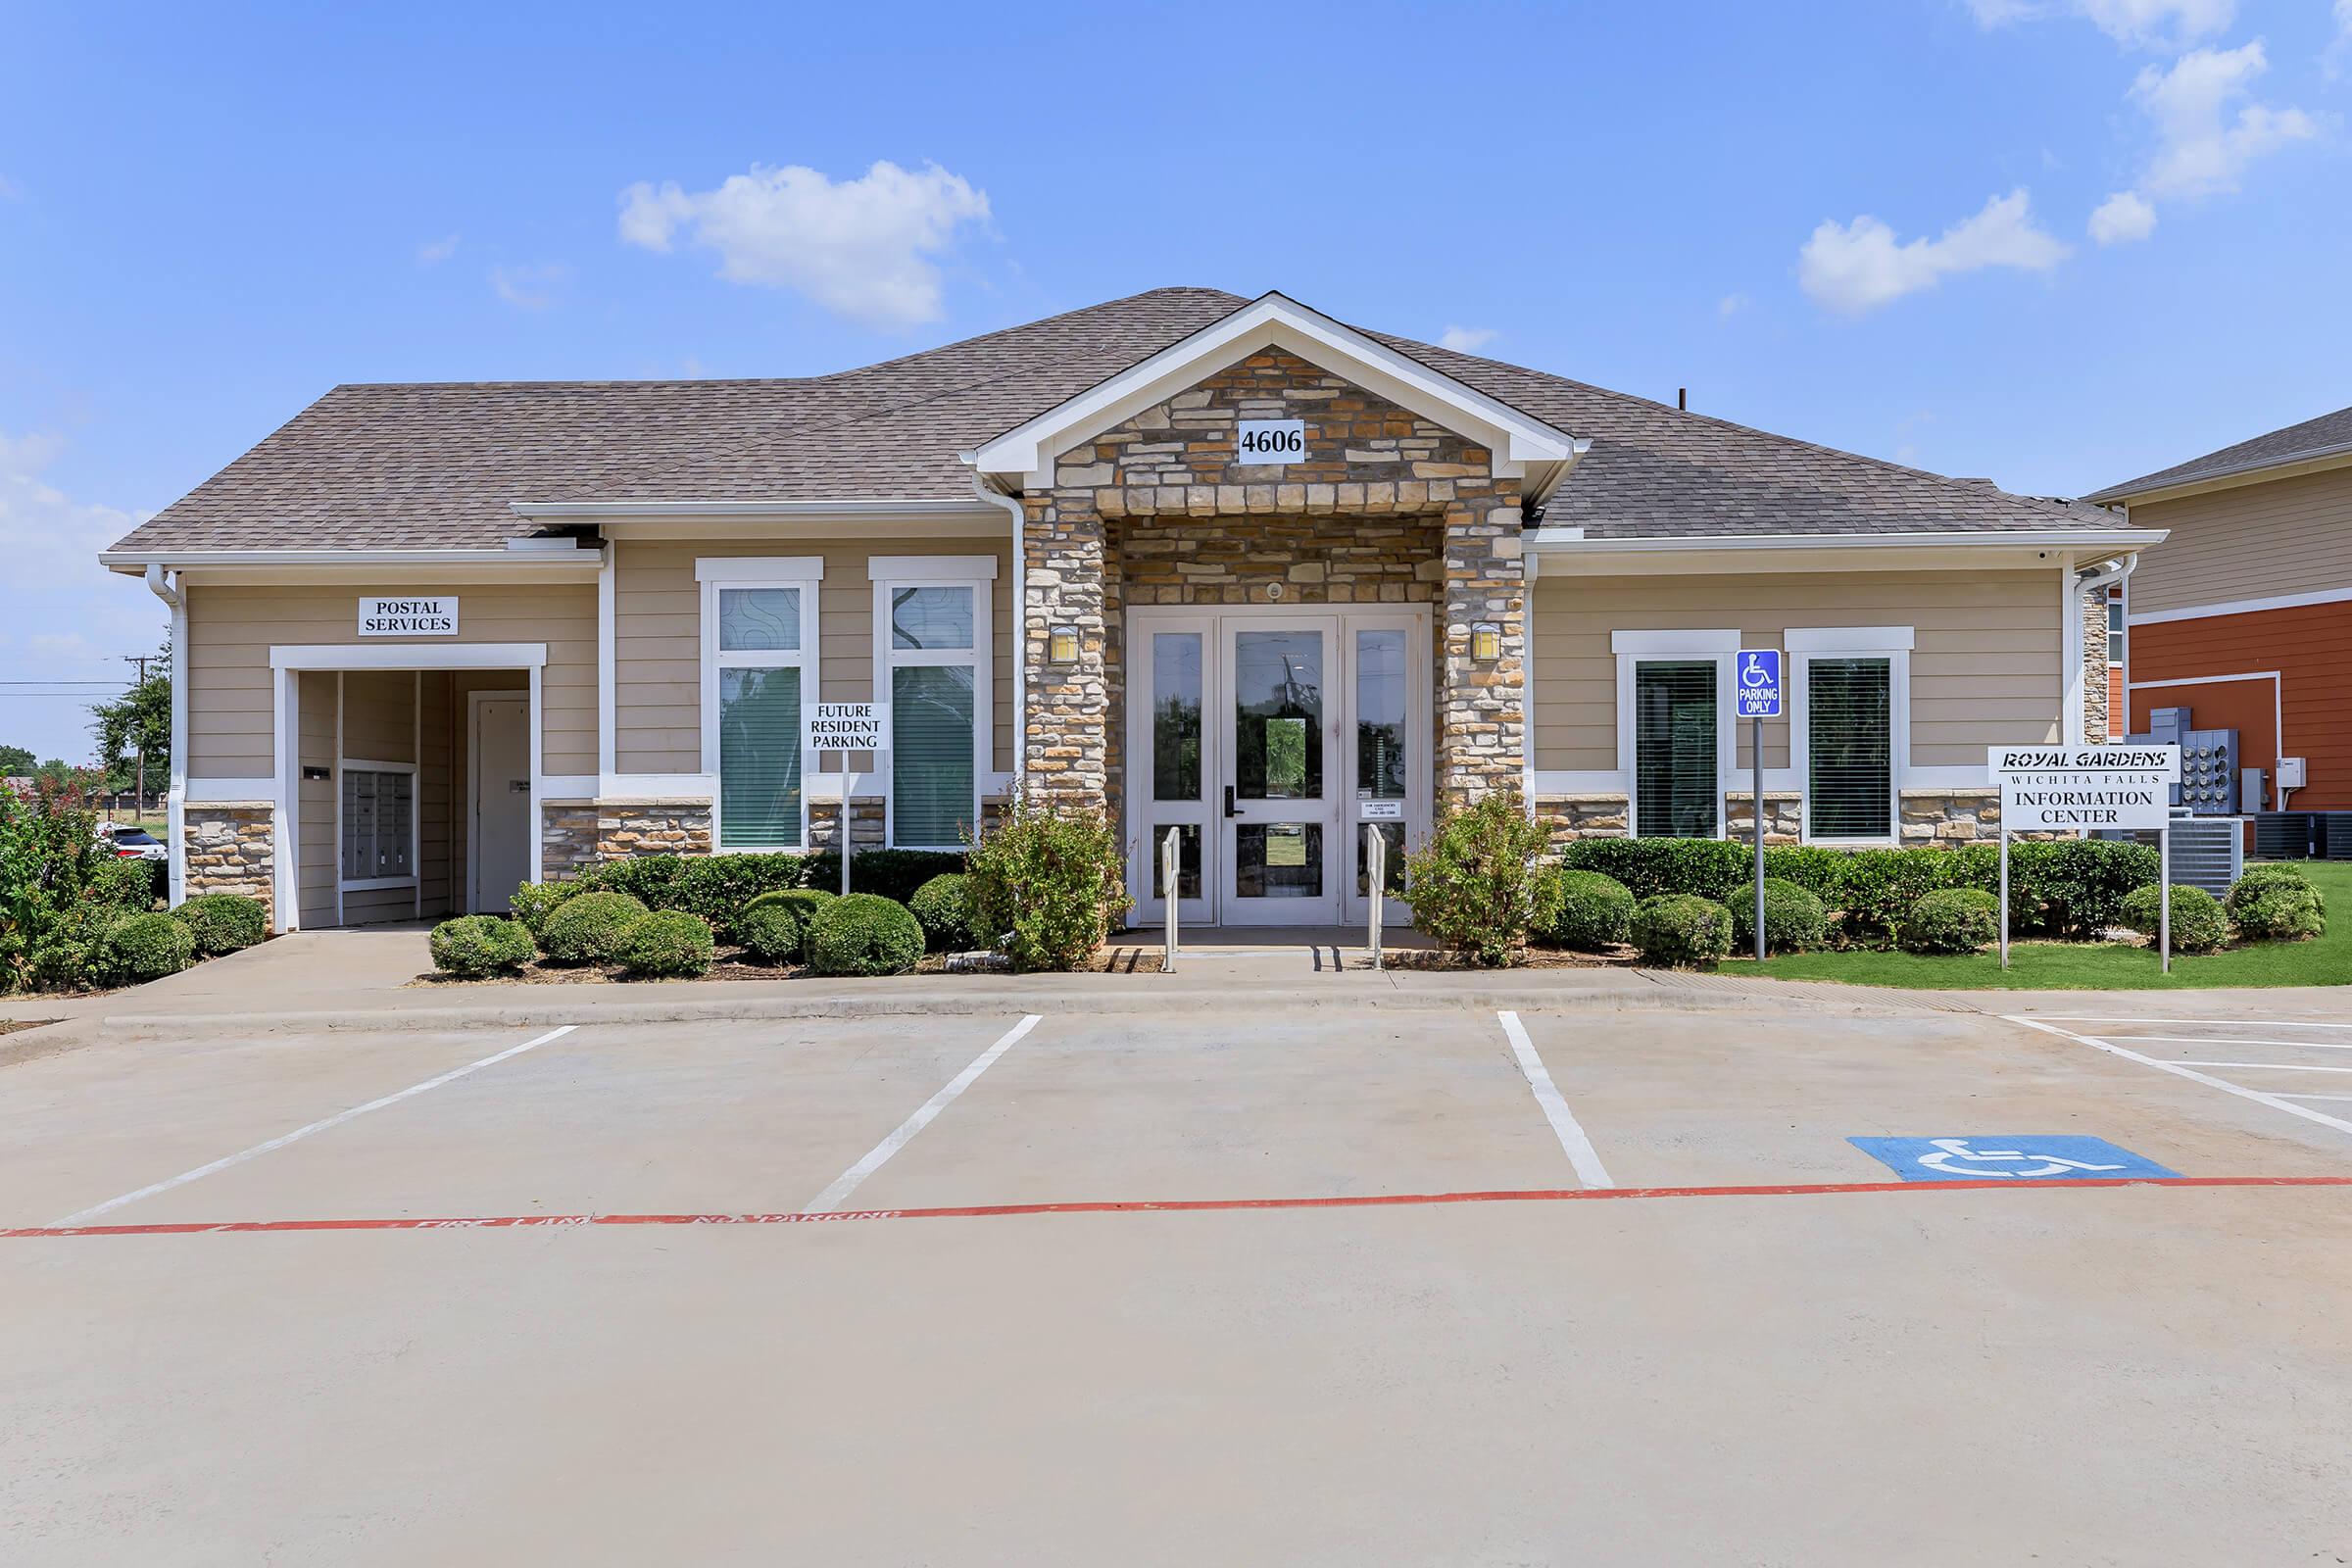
{"points": [[1228, 1282]]}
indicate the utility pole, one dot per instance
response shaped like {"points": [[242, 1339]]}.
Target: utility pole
{"points": [[138, 806]]}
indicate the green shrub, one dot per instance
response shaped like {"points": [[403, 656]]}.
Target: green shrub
{"points": [[534, 901], [1881, 887], [1819, 871], [590, 927], [1475, 885], [474, 946], [1709, 867], [2071, 888], [223, 922], [144, 946], [802, 903], [770, 932], [1585, 912], [2198, 924], [943, 908], [864, 933], [1676, 929], [2277, 904], [1046, 883], [1952, 920], [896, 874], [1795, 918], [130, 884], [668, 943], [50, 862]]}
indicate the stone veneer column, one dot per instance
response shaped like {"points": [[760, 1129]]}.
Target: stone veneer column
{"points": [[2094, 666], [1068, 708], [1482, 717], [229, 849]]}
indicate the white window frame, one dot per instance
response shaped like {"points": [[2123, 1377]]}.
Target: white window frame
{"points": [[890, 574], [1891, 643], [713, 572], [344, 768], [1664, 647]]}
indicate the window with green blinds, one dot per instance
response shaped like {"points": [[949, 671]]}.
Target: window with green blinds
{"points": [[1674, 749], [931, 755], [1850, 706], [759, 758]]}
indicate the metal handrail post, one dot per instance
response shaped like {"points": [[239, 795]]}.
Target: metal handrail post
{"points": [[1376, 861], [1171, 860]]}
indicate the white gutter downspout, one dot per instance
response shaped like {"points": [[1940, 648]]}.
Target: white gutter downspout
{"points": [[1021, 622], [162, 584]]}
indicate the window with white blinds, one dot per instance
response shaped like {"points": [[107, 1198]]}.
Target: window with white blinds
{"points": [[1677, 793], [931, 657], [1850, 785]]}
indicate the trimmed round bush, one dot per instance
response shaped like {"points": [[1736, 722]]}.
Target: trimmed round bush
{"points": [[141, 947], [1952, 920], [2198, 924], [802, 905], [1585, 912], [864, 933], [668, 943], [1794, 920], [474, 946], [943, 908], [1676, 929], [769, 932], [223, 922], [591, 928], [2277, 904]]}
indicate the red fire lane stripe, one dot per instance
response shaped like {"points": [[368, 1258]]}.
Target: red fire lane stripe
{"points": [[1185, 1206]]}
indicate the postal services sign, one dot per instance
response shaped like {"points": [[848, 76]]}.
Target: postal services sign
{"points": [[396, 616]]}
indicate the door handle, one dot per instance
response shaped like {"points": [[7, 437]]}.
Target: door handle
{"points": [[1229, 799]]}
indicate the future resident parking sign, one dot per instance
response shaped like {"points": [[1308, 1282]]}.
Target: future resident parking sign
{"points": [[1757, 679]]}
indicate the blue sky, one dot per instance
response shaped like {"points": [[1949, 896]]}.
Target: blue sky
{"points": [[2059, 242]]}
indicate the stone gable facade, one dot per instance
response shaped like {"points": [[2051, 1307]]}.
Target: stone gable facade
{"points": [[1386, 508]]}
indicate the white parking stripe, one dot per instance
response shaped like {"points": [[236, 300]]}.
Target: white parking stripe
{"points": [[2232, 1023], [300, 1133], [2316, 1096], [832, 1198], [2266, 1066], [2275, 1102], [1578, 1147], [2234, 1040]]}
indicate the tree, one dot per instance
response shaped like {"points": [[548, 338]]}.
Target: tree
{"points": [[138, 724], [17, 763]]}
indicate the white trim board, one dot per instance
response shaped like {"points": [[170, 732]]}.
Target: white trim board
{"points": [[759, 571], [291, 656], [931, 568], [2240, 607]]}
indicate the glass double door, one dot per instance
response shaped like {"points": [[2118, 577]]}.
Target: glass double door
{"points": [[1273, 744]]}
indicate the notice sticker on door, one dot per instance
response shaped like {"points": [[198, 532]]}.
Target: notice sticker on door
{"points": [[1380, 810]]}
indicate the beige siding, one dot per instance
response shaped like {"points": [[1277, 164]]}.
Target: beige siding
{"points": [[1985, 663], [657, 638], [2256, 541], [231, 630]]}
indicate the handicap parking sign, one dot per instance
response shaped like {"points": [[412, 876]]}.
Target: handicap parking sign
{"points": [[1758, 681], [2022, 1156]]}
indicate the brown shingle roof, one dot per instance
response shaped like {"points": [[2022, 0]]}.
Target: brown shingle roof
{"points": [[435, 466], [2324, 436]]}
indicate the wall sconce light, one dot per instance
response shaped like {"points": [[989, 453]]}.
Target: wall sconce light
{"points": [[1486, 642], [1062, 644]]}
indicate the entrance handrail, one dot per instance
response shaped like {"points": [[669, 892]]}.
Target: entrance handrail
{"points": [[1171, 856], [1376, 861]]}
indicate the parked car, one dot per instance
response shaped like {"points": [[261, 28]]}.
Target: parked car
{"points": [[131, 843]]}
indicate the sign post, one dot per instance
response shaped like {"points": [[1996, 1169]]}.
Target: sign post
{"points": [[1759, 689], [2081, 789], [845, 727]]}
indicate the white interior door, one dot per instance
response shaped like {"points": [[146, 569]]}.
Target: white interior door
{"points": [[501, 842], [1172, 768], [1278, 721]]}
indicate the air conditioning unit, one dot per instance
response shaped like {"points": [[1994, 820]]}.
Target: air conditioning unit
{"points": [[2208, 852]]}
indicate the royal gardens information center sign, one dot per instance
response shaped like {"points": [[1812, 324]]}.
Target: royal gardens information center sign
{"points": [[409, 617], [2085, 788]]}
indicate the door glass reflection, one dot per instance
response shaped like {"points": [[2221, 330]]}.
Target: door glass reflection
{"points": [[1278, 715], [1278, 861]]}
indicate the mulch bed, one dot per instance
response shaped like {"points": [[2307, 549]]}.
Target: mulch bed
{"points": [[731, 964], [1432, 958]]}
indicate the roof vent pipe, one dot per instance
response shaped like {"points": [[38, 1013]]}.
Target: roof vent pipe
{"points": [[1682, 398]]}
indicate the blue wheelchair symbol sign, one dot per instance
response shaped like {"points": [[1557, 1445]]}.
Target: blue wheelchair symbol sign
{"points": [[1759, 683], [2026, 1157]]}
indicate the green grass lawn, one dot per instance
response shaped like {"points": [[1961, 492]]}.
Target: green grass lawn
{"points": [[2097, 965]]}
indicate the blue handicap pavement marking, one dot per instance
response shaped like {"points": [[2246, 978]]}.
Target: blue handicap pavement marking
{"points": [[2021, 1157], [1759, 683]]}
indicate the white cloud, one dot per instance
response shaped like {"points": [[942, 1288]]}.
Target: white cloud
{"points": [[1732, 305], [860, 248], [2167, 25], [533, 288], [1467, 340], [2201, 148], [1858, 266], [432, 253], [2339, 52], [2123, 217]]}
